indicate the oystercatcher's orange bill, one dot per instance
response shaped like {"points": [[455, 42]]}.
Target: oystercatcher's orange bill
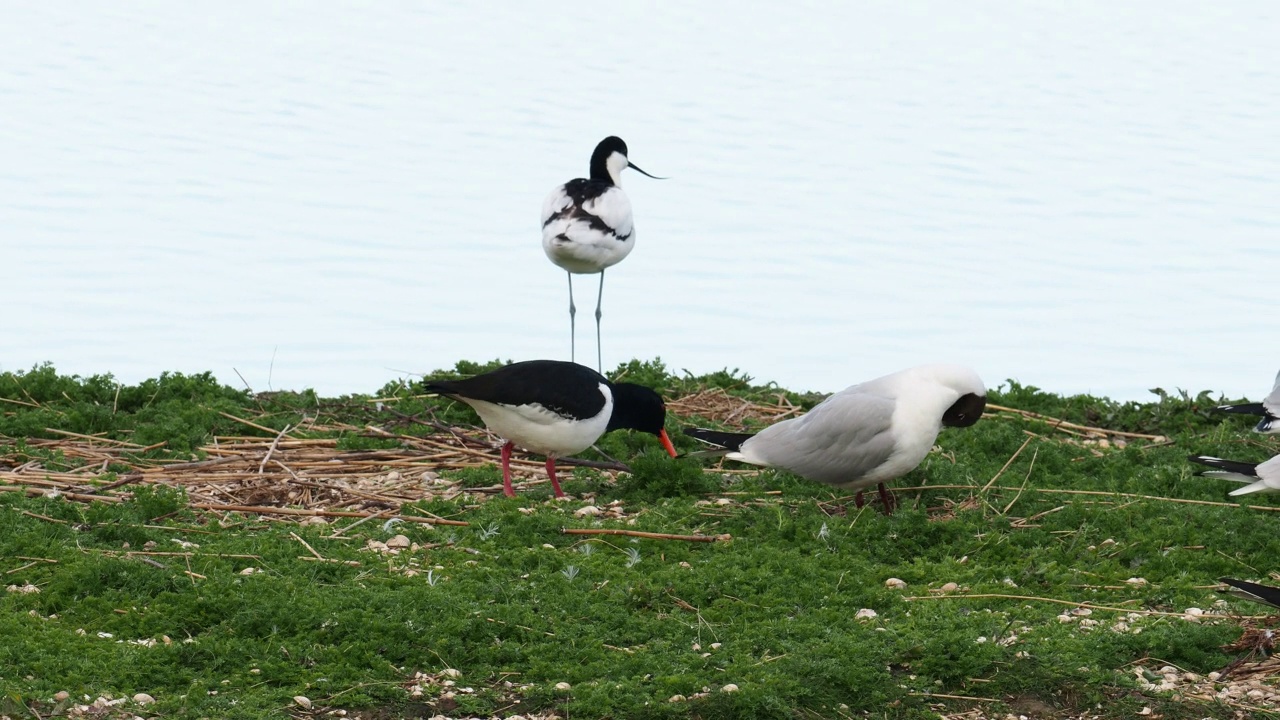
{"points": [[666, 443]]}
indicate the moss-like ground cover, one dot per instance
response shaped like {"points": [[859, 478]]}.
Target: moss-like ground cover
{"points": [[236, 622]]}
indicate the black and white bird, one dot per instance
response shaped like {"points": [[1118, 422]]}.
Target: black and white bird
{"points": [[555, 408], [1264, 594], [1269, 409], [587, 225], [1259, 477], [867, 434]]}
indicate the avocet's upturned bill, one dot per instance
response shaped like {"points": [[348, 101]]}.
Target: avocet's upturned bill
{"points": [[555, 408], [867, 434], [587, 225], [1269, 409], [1259, 477]]}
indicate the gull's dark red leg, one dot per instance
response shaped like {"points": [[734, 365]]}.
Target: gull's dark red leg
{"points": [[887, 499], [506, 471], [858, 502], [551, 473]]}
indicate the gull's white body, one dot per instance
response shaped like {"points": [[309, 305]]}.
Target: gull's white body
{"points": [[868, 433]]}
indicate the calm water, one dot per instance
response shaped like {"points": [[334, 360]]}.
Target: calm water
{"points": [[1084, 199]]}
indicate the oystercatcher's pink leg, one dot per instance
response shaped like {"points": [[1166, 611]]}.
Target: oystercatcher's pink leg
{"points": [[506, 470], [551, 473]]}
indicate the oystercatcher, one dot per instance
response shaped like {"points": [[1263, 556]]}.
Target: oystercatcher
{"points": [[555, 408]]}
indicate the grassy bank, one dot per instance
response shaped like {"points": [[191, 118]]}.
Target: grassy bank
{"points": [[1075, 550]]}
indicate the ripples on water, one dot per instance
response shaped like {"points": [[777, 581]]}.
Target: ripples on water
{"points": [[1081, 199]]}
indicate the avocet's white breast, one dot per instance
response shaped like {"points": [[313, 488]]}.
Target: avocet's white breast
{"points": [[587, 235]]}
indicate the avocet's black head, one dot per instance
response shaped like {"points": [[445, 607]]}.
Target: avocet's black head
{"points": [[636, 407], [966, 411], [610, 159]]}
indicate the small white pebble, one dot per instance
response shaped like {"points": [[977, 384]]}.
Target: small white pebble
{"points": [[696, 647], [303, 701], [726, 501], [399, 541], [1082, 612], [62, 695], [895, 583], [949, 587], [676, 698], [729, 688], [1194, 611], [547, 546], [864, 613], [143, 699], [451, 673], [981, 639], [1107, 542], [1137, 581], [586, 511], [563, 686], [249, 571], [715, 646]]}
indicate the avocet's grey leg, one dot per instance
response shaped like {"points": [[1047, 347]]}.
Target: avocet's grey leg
{"points": [[572, 311], [599, 300]]}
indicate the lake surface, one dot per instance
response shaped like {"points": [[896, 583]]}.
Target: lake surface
{"points": [[1085, 197]]}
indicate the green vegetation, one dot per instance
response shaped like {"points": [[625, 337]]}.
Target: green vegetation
{"points": [[241, 617]]}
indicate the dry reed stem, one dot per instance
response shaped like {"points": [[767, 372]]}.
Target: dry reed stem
{"points": [[953, 697], [1025, 480], [642, 534], [318, 513], [1091, 606], [1007, 463], [1063, 424], [306, 545]]}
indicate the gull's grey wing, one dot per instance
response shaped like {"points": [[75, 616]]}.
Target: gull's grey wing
{"points": [[838, 442]]}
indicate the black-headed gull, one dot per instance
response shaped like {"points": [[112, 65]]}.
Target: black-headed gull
{"points": [[555, 408], [867, 434], [1260, 477], [1269, 409], [1264, 594]]}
